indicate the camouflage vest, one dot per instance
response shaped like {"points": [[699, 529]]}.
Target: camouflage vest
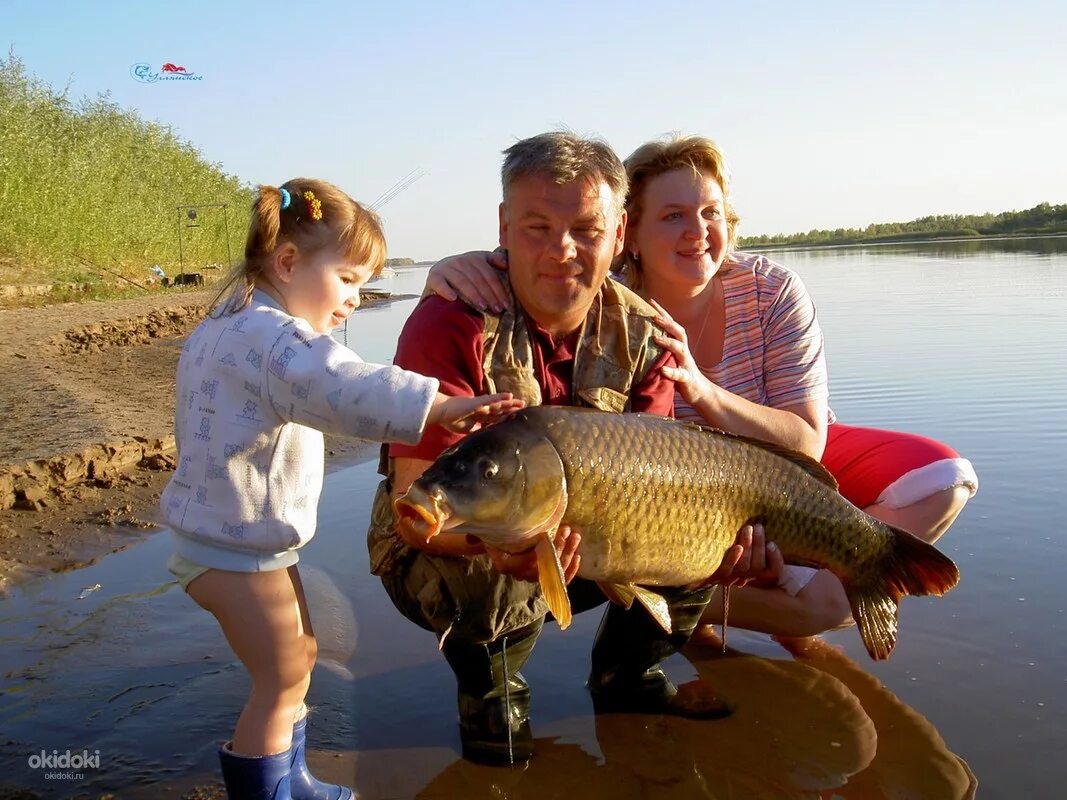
{"points": [[615, 351]]}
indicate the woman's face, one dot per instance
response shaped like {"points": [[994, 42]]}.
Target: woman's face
{"points": [[682, 234]]}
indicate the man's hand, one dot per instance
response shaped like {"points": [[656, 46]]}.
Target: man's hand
{"points": [[751, 560], [523, 566]]}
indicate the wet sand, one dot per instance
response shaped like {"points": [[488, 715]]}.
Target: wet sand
{"points": [[87, 404]]}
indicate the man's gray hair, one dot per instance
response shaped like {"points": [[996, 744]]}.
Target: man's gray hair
{"points": [[564, 157]]}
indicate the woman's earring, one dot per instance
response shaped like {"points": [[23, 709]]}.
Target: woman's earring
{"points": [[635, 256]]}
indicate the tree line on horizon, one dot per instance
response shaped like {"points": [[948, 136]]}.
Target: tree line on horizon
{"points": [[1042, 218], [97, 189]]}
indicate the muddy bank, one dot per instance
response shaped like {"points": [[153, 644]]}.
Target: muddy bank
{"points": [[87, 405], [166, 323], [41, 483]]}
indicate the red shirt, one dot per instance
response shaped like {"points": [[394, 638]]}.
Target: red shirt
{"points": [[443, 339]]}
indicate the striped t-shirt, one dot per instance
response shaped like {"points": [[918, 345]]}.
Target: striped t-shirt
{"points": [[773, 348]]}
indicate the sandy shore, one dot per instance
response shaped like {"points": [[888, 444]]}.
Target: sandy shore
{"points": [[87, 404]]}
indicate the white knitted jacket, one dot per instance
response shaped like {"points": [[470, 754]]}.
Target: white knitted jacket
{"points": [[254, 392]]}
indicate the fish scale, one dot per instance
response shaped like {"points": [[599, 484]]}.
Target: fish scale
{"points": [[641, 490], [659, 502]]}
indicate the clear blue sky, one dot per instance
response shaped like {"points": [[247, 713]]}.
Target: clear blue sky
{"points": [[833, 114]]}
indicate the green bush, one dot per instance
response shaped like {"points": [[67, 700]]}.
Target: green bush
{"points": [[95, 188]]}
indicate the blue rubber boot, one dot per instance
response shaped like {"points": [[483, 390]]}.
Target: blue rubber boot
{"points": [[304, 785], [255, 777]]}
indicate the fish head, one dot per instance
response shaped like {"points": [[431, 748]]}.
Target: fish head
{"points": [[504, 484]]}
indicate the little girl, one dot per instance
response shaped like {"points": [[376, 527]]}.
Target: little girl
{"points": [[258, 382]]}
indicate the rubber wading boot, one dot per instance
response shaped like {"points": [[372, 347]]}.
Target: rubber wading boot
{"points": [[302, 784], [627, 677], [255, 777], [494, 700]]}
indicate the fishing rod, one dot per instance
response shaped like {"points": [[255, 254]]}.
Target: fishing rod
{"points": [[384, 198], [89, 263], [398, 187]]}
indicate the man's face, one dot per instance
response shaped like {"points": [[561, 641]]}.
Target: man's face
{"points": [[560, 240]]}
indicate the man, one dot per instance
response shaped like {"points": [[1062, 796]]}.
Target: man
{"points": [[572, 337]]}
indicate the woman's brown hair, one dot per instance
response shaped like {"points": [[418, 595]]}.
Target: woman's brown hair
{"points": [[652, 159]]}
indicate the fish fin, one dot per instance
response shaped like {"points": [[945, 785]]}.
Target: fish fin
{"points": [[550, 573], [619, 593], [911, 567], [656, 605], [805, 462], [876, 616]]}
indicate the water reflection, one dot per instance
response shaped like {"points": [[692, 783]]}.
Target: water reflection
{"points": [[134, 671], [816, 727], [912, 759]]}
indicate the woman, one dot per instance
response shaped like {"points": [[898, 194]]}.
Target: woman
{"points": [[750, 360]]}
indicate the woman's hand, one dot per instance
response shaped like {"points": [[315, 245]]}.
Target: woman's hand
{"points": [[692, 383], [751, 560], [468, 414], [523, 566], [473, 277]]}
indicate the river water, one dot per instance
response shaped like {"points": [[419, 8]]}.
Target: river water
{"points": [[963, 342]]}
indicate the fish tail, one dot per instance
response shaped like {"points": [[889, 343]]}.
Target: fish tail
{"points": [[912, 566]]}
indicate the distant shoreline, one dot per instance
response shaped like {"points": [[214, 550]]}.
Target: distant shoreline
{"points": [[890, 242], [839, 245]]}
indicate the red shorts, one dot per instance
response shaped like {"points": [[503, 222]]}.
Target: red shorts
{"points": [[891, 468]]}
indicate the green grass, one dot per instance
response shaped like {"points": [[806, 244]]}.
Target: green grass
{"points": [[87, 186]]}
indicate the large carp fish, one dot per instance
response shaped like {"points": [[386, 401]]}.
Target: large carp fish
{"points": [[658, 502]]}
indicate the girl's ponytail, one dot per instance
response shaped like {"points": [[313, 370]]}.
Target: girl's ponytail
{"points": [[263, 231], [266, 222], [311, 214]]}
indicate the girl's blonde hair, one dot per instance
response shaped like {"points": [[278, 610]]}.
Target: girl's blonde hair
{"points": [[652, 159], [318, 216]]}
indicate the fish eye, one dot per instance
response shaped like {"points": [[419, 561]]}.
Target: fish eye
{"points": [[489, 469]]}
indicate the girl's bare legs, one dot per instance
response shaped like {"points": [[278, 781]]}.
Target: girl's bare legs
{"points": [[265, 620], [821, 605]]}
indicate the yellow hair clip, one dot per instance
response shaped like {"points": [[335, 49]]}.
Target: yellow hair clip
{"points": [[314, 205]]}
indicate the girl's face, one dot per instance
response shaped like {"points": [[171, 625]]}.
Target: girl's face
{"points": [[682, 234], [321, 288]]}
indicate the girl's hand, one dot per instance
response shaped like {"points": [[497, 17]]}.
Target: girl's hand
{"points": [[468, 414], [523, 566], [692, 383], [473, 277]]}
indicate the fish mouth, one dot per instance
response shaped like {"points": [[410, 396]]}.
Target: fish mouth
{"points": [[425, 513]]}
